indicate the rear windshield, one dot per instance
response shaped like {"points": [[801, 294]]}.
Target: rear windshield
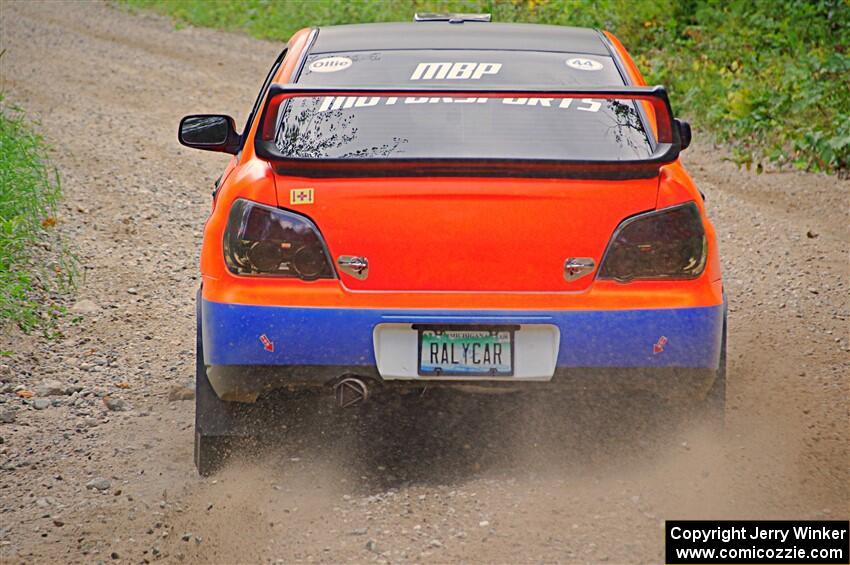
{"points": [[412, 127]]}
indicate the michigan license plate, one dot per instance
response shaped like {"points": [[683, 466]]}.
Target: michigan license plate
{"points": [[471, 353]]}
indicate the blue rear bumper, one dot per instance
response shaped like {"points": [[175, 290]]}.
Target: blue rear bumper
{"points": [[278, 335]]}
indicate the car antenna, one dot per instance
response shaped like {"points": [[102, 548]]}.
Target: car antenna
{"points": [[451, 18]]}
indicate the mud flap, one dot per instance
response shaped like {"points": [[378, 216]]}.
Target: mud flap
{"points": [[211, 453], [715, 401], [220, 426]]}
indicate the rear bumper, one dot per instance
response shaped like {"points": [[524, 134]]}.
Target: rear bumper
{"points": [[310, 344], [245, 383]]}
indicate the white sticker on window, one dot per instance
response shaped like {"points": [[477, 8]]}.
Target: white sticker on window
{"points": [[330, 64], [583, 64], [454, 71], [329, 103]]}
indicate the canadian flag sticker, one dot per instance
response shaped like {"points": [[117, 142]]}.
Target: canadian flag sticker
{"points": [[301, 196]]}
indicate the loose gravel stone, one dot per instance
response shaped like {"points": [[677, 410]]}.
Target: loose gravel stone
{"points": [[99, 483], [115, 404], [40, 403], [181, 392], [50, 388]]}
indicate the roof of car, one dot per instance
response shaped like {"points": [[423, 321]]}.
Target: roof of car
{"points": [[467, 35]]}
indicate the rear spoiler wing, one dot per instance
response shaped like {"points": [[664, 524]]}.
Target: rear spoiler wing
{"points": [[666, 147]]}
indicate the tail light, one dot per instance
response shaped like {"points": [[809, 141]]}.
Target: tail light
{"points": [[265, 241], [668, 243]]}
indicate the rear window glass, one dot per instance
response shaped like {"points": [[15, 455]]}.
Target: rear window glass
{"points": [[387, 127]]}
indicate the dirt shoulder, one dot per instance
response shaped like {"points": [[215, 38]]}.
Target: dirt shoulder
{"points": [[80, 481]]}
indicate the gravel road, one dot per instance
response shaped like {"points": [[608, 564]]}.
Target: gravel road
{"points": [[97, 466]]}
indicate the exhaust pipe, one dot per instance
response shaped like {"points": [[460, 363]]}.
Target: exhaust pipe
{"points": [[350, 391]]}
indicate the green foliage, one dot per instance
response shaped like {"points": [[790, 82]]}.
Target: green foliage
{"points": [[770, 77], [29, 191]]}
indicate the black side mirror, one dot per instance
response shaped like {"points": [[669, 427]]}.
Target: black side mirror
{"points": [[210, 132], [684, 132]]}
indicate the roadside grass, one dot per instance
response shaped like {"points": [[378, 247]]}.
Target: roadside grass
{"points": [[771, 78], [35, 267]]}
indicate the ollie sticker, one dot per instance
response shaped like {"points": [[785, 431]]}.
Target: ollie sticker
{"points": [[330, 64], [583, 64]]}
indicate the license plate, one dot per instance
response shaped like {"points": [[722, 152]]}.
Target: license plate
{"points": [[472, 353]]}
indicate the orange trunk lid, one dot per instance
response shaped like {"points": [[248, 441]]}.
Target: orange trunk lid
{"points": [[462, 234]]}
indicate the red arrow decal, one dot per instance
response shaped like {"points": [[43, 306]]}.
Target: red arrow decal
{"points": [[267, 343], [659, 345]]}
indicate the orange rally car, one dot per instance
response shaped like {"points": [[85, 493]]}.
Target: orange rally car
{"points": [[451, 202]]}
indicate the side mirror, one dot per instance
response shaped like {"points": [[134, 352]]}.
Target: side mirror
{"points": [[210, 132], [684, 132]]}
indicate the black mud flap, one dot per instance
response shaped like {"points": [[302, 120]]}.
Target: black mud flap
{"points": [[715, 401], [220, 426]]}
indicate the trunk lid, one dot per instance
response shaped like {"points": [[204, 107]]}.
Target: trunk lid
{"points": [[467, 234]]}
